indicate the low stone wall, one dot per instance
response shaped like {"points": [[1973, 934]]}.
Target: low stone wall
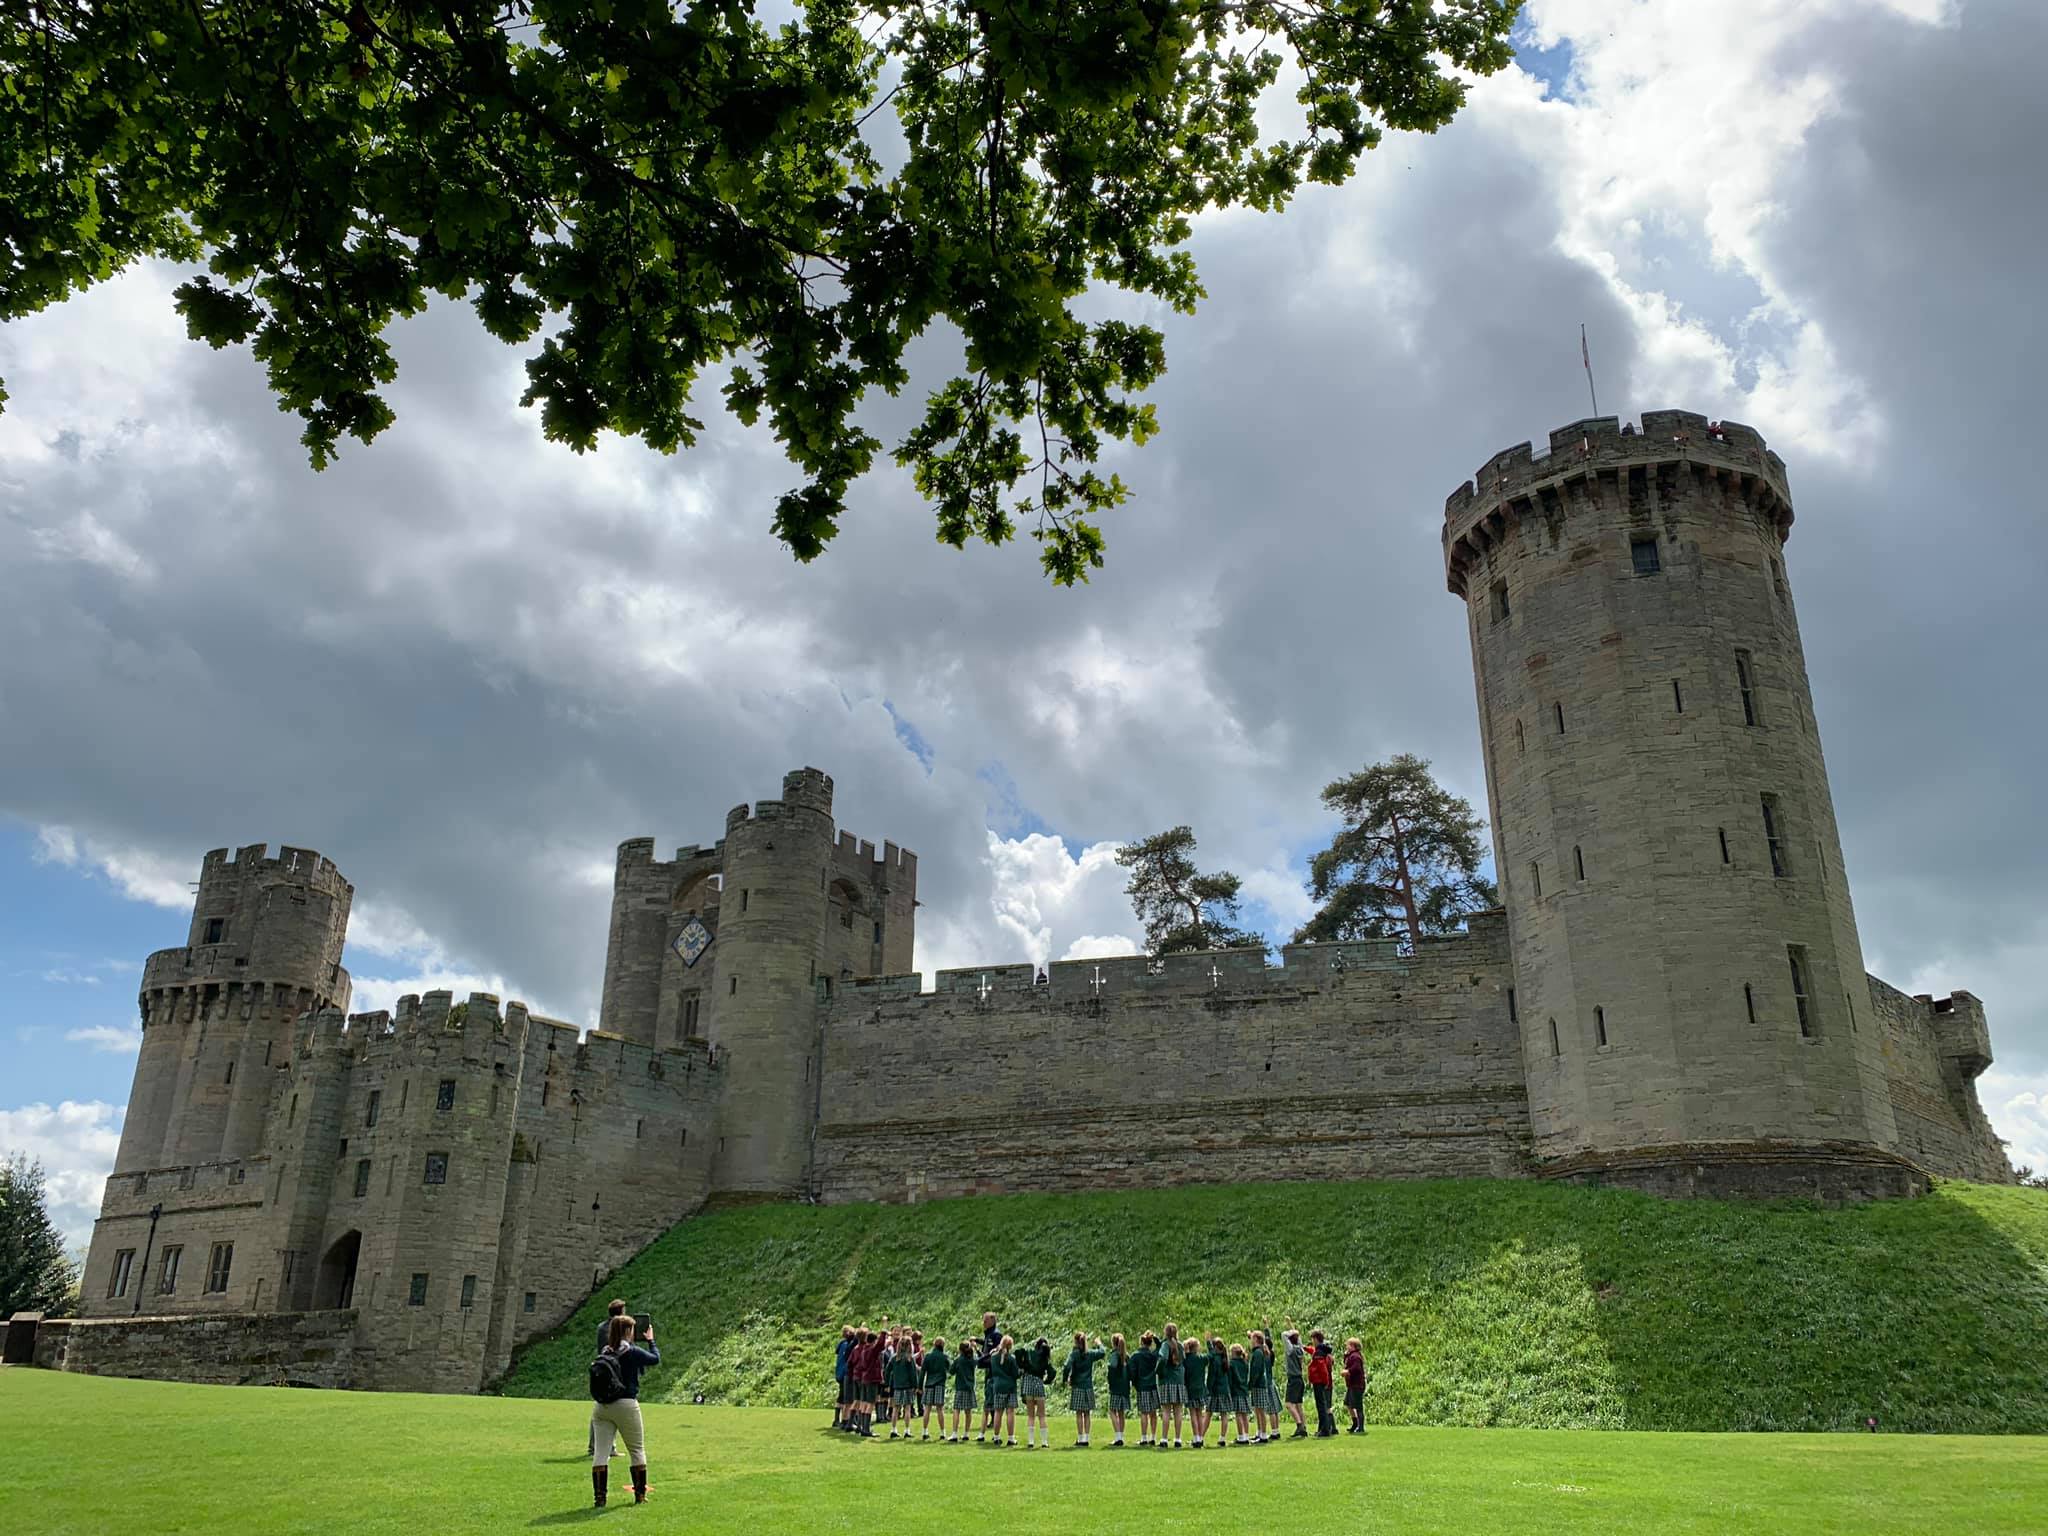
{"points": [[299, 1349], [1832, 1173]]}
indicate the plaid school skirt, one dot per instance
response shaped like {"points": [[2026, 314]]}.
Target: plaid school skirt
{"points": [[1081, 1400], [1029, 1385], [963, 1399], [1172, 1392], [1266, 1400], [1001, 1398], [1148, 1400], [935, 1395], [1217, 1402], [1240, 1403], [1119, 1402]]}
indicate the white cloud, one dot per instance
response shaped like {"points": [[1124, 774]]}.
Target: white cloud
{"points": [[137, 873], [2017, 1104], [76, 1144], [90, 542], [109, 1038], [63, 976], [1042, 894], [1100, 946]]}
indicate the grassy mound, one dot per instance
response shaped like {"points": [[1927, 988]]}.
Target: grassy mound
{"points": [[1480, 1302]]}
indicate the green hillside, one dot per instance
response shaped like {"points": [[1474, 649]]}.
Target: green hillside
{"points": [[1479, 1302]]}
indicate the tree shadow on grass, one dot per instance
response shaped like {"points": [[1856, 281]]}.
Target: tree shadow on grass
{"points": [[570, 1516]]}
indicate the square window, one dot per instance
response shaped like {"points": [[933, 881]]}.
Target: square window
{"points": [[1642, 554], [216, 929], [531, 1299], [362, 1178], [167, 1270], [219, 1266], [437, 1167], [444, 1096], [124, 1264], [417, 1296], [468, 1292]]}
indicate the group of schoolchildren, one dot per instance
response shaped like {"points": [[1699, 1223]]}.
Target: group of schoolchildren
{"points": [[894, 1375]]}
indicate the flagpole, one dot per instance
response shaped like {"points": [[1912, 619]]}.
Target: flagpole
{"points": [[1586, 356]]}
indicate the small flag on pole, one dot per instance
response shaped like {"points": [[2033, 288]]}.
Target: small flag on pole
{"points": [[1586, 357]]}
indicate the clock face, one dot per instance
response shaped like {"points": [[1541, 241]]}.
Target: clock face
{"points": [[691, 943]]}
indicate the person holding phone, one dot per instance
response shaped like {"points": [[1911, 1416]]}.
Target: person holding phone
{"points": [[615, 1399]]}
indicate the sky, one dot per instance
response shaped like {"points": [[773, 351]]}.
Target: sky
{"points": [[465, 664]]}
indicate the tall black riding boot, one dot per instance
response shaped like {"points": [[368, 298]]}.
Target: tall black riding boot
{"points": [[639, 1485], [598, 1477]]}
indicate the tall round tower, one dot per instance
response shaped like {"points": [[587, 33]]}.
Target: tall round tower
{"points": [[265, 946], [777, 862], [1688, 981]]}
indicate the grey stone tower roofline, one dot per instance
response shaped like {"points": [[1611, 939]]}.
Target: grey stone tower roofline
{"points": [[1516, 480]]}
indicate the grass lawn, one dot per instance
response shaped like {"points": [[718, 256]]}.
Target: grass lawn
{"points": [[95, 1455]]}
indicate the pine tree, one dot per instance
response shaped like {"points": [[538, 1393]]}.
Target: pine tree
{"points": [[1405, 861], [35, 1273], [1182, 909]]}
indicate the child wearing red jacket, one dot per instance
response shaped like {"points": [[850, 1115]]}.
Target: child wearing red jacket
{"points": [[1354, 1385], [1321, 1368]]}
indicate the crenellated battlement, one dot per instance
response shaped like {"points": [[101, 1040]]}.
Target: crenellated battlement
{"points": [[302, 866], [1604, 448], [856, 858]]}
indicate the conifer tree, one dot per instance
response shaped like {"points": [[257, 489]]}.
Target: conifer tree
{"points": [[1181, 908], [35, 1273], [1406, 860]]}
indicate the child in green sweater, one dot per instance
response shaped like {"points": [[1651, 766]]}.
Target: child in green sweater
{"points": [[1145, 1386], [1079, 1375], [936, 1368], [1173, 1385], [1119, 1368], [964, 1367]]}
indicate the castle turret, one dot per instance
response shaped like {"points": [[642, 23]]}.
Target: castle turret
{"points": [[778, 864], [265, 946], [1689, 983]]}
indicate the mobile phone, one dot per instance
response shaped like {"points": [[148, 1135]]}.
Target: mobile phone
{"points": [[642, 1321]]}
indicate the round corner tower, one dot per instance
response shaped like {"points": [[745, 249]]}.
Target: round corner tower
{"points": [[1689, 985], [264, 947], [772, 909]]}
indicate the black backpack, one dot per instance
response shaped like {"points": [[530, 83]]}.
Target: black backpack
{"points": [[606, 1384]]}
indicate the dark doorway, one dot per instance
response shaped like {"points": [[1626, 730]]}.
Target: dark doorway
{"points": [[338, 1273]]}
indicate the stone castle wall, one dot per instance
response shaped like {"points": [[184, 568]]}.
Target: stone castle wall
{"points": [[1933, 1049], [299, 1349], [1350, 1061]]}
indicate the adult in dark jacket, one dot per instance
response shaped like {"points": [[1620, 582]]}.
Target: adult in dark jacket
{"points": [[604, 1334], [622, 1415]]}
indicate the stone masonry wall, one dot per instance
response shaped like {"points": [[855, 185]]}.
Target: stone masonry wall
{"points": [[301, 1349], [1933, 1050], [1351, 1061]]}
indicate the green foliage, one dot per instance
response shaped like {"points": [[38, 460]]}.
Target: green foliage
{"points": [[1182, 908], [1405, 861], [36, 1275], [1486, 1302], [207, 1459], [639, 191]]}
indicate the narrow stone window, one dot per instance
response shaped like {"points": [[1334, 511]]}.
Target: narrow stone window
{"points": [[1600, 1027], [231, 1073], [219, 1267], [639, 1129], [494, 1100], [1820, 861], [1796, 954], [685, 1137], [744, 894], [1556, 1046], [1778, 579], [1512, 1019], [468, 1292], [1723, 833], [1677, 698], [544, 1085], [1745, 683], [732, 987], [531, 1300], [1579, 860], [690, 1017], [291, 1115], [362, 1178], [291, 1264], [1850, 999], [1749, 1000], [846, 918], [807, 1069], [1773, 820], [1642, 554], [878, 933], [343, 1152], [266, 1053], [405, 1086], [417, 1296], [1535, 881], [1500, 601], [437, 1168], [1558, 710], [216, 929], [167, 1271], [444, 1095], [1521, 745], [124, 1265]]}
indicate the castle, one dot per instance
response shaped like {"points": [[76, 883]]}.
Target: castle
{"points": [[1673, 996]]}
